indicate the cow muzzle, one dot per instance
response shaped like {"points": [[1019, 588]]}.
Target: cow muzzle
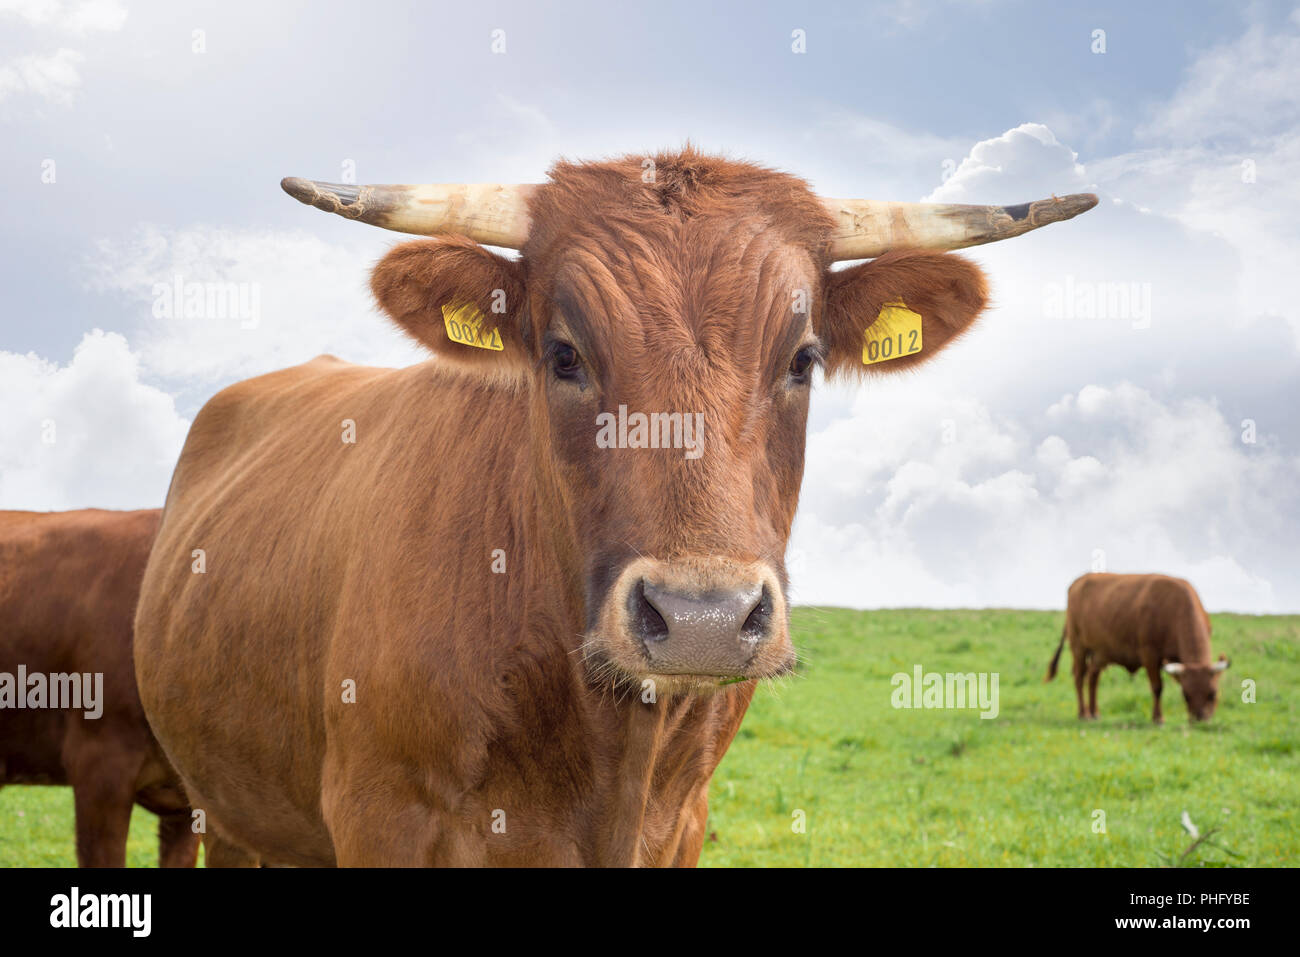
{"points": [[702, 619]]}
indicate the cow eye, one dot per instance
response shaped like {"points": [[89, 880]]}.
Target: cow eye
{"points": [[565, 361], [802, 363]]}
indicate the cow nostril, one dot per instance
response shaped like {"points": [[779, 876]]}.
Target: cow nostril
{"points": [[757, 624], [647, 622]]}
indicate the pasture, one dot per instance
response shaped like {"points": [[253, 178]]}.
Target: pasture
{"points": [[885, 786], [881, 786]]}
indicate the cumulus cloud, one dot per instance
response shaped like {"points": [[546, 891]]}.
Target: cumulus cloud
{"points": [[1042, 167], [89, 433], [1223, 157], [249, 302], [1238, 90], [82, 17], [96, 15], [953, 505], [54, 77]]}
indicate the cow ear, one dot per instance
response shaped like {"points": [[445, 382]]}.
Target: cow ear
{"points": [[898, 310], [461, 302]]}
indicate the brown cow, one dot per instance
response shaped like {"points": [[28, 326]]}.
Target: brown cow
{"points": [[443, 621], [68, 587], [1140, 621]]}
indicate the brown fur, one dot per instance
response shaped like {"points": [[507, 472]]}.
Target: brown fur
{"points": [[68, 587], [518, 693], [1139, 621]]}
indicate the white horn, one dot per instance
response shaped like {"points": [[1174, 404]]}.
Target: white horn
{"points": [[866, 228], [495, 214]]}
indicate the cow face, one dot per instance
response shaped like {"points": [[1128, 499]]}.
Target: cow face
{"points": [[667, 334], [1200, 684]]}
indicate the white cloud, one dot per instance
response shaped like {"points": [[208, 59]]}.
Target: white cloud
{"points": [[83, 17], [96, 15], [1008, 515], [1224, 159], [1236, 91], [88, 434], [299, 296], [53, 77], [38, 12], [1042, 167]]}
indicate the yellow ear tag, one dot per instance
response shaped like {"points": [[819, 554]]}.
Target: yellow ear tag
{"points": [[465, 325], [895, 333]]}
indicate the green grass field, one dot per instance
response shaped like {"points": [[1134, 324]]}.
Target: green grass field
{"points": [[885, 786]]}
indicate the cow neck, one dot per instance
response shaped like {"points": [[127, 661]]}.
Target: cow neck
{"points": [[645, 756], [1194, 637]]}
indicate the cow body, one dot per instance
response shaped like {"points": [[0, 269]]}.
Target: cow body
{"points": [[68, 587], [1152, 622], [429, 616], [469, 694]]}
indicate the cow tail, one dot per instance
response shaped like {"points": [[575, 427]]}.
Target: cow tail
{"points": [[1051, 668]]}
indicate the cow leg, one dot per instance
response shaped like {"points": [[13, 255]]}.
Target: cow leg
{"points": [[1094, 673], [377, 818], [103, 817], [1079, 670], [368, 833], [1157, 686], [102, 769], [178, 845]]}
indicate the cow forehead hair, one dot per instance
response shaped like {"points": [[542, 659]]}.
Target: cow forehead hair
{"points": [[653, 193], [699, 248]]}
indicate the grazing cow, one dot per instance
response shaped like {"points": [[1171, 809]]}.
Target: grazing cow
{"points": [[68, 587], [1140, 621], [508, 606]]}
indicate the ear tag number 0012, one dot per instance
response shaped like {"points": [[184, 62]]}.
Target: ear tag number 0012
{"points": [[465, 325], [895, 333]]}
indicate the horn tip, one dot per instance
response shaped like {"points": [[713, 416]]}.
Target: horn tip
{"points": [[1077, 203], [300, 189], [1085, 201], [1054, 210]]}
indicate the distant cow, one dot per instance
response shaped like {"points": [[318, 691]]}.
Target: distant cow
{"points": [[450, 614], [68, 588], [1140, 621]]}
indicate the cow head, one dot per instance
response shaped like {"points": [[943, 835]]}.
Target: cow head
{"points": [[665, 319], [1200, 684]]}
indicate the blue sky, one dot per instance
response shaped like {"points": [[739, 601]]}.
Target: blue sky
{"points": [[1091, 434]]}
